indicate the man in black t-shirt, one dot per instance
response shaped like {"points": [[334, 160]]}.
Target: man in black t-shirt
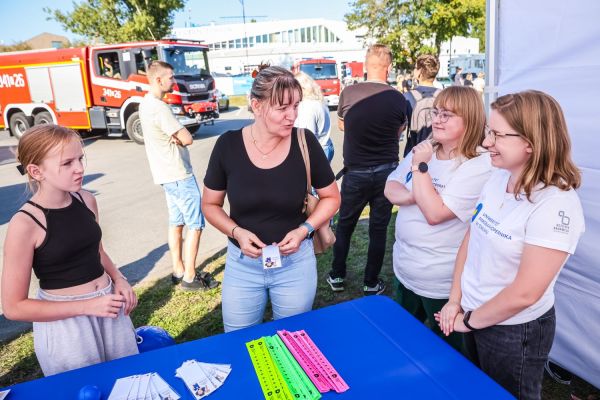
{"points": [[372, 115]]}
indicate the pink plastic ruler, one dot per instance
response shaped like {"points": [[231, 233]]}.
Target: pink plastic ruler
{"points": [[311, 359]]}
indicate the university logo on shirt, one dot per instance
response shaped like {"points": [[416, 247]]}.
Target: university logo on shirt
{"points": [[476, 211], [563, 225], [408, 177]]}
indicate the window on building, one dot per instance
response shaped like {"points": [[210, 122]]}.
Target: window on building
{"points": [[245, 42], [314, 34], [321, 34], [238, 43], [231, 44], [57, 44], [297, 35], [291, 36], [303, 35], [265, 38], [251, 41], [308, 35], [217, 46], [326, 34]]}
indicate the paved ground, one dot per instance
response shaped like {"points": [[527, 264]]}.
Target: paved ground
{"points": [[133, 214]]}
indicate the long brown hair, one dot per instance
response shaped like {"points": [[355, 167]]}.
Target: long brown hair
{"points": [[38, 141], [465, 102], [539, 118]]}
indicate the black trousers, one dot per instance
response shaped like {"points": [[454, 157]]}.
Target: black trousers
{"points": [[360, 188], [514, 355]]}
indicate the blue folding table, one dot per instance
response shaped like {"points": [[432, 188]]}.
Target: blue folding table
{"points": [[379, 349]]}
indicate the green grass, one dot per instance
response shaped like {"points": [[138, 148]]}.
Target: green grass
{"points": [[161, 304]]}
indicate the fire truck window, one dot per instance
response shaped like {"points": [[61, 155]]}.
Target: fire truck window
{"points": [[109, 65], [141, 63]]}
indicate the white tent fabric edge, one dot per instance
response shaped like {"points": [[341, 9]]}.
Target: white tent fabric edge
{"points": [[553, 46]]}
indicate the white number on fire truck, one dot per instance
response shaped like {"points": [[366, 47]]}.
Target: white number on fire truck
{"points": [[111, 93]]}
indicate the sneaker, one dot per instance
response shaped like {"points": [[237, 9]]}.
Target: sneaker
{"points": [[337, 284], [208, 279], [558, 374], [377, 289], [176, 280], [196, 284]]}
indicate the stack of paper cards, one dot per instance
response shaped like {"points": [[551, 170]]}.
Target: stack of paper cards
{"points": [[201, 378], [142, 387]]}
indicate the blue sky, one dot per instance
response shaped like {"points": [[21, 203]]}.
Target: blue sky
{"points": [[22, 20]]}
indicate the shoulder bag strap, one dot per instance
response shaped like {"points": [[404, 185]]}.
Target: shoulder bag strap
{"points": [[305, 156]]}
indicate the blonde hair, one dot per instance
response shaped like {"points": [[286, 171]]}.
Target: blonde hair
{"points": [[156, 67], [382, 52], [37, 142], [310, 89], [466, 103], [538, 117]]}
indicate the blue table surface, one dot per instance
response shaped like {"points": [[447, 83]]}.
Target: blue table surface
{"points": [[379, 349]]}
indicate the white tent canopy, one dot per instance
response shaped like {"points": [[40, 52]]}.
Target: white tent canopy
{"points": [[554, 46]]}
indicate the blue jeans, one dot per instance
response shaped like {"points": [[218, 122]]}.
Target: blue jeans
{"points": [[514, 355], [360, 188], [184, 203], [246, 286], [328, 149]]}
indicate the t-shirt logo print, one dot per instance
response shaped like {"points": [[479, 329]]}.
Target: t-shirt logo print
{"points": [[476, 211], [563, 226]]}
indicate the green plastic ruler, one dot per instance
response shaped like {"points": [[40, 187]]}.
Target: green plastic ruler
{"points": [[299, 384], [271, 381]]}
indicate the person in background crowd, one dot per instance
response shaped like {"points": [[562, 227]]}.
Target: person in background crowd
{"points": [[313, 113], [458, 78], [420, 101], [479, 83], [436, 187], [372, 116], [527, 222], [261, 171], [166, 142], [468, 80], [81, 313]]}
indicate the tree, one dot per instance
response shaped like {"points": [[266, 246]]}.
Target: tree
{"points": [[413, 27], [112, 21], [18, 46]]}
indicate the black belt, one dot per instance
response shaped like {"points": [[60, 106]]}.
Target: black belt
{"points": [[371, 169]]}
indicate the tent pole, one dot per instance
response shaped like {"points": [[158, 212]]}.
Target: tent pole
{"points": [[491, 50]]}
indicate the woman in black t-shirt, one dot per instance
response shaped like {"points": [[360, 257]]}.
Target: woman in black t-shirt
{"points": [[261, 170]]}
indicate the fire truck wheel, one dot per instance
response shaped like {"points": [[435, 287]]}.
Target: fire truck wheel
{"points": [[134, 128], [43, 117], [19, 123]]}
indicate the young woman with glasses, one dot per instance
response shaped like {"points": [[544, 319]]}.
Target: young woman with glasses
{"points": [[436, 187], [527, 222]]}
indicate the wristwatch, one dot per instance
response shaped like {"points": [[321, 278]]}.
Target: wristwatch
{"points": [[466, 318], [308, 227], [421, 167]]}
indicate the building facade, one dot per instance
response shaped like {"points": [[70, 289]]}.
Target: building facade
{"points": [[239, 48]]}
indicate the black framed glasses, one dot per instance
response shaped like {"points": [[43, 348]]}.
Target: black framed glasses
{"points": [[493, 134], [442, 114]]}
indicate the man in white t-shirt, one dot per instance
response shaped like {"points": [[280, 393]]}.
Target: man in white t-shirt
{"points": [[166, 141]]}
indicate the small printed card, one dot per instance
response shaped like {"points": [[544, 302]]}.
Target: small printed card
{"points": [[270, 257], [142, 387], [201, 378]]}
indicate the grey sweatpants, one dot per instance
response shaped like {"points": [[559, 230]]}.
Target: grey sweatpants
{"points": [[81, 341]]}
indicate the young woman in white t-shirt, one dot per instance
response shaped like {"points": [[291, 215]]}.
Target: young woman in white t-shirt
{"points": [[527, 222], [436, 187]]}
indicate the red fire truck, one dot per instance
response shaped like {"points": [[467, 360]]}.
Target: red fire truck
{"points": [[100, 87], [325, 72]]}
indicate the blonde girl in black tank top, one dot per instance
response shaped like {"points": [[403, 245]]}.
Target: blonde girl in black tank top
{"points": [[82, 293]]}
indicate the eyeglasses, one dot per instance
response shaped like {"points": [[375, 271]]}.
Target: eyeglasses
{"points": [[492, 134], [444, 115]]}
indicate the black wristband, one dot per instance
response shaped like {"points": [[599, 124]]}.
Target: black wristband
{"points": [[466, 318]]}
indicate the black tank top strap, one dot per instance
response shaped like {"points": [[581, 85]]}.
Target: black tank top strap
{"points": [[80, 197], [34, 219], [45, 210]]}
